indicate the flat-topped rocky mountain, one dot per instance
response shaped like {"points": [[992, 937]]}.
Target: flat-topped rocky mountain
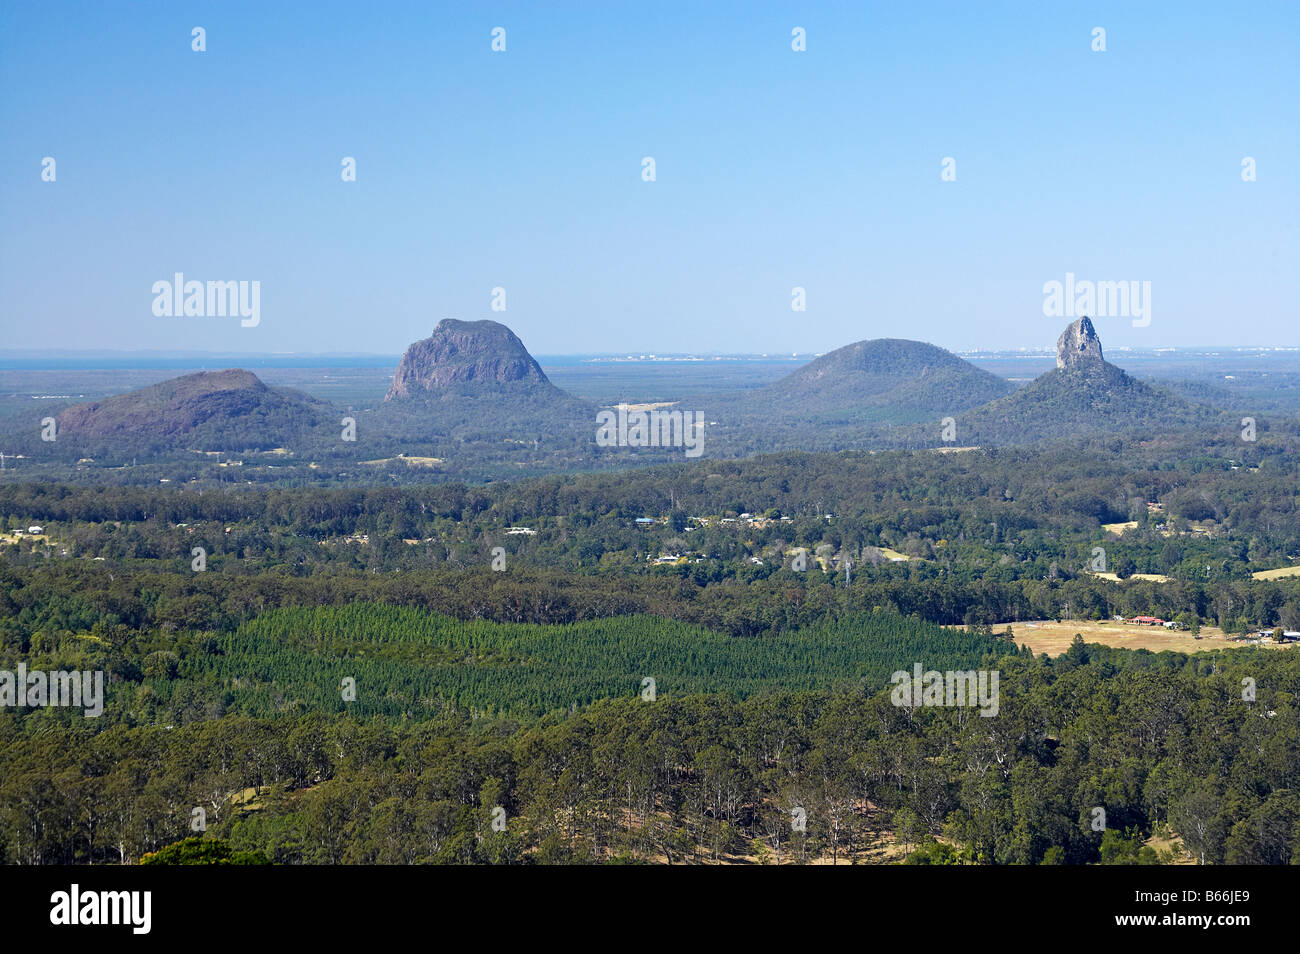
{"points": [[464, 352]]}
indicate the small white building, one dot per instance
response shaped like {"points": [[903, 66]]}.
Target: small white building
{"points": [[35, 529]]}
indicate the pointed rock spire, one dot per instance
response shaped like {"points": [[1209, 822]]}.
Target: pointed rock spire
{"points": [[1078, 345]]}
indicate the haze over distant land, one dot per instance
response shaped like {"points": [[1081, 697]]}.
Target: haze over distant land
{"points": [[471, 401], [149, 358]]}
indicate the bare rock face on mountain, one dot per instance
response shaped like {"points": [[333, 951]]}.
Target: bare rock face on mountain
{"points": [[1083, 394], [1078, 345], [464, 352]]}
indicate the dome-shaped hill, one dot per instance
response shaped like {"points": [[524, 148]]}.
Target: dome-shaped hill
{"points": [[232, 409], [889, 371]]}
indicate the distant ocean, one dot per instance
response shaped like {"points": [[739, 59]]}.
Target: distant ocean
{"points": [[204, 360]]}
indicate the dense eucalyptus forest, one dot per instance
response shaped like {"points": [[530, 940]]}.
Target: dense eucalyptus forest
{"points": [[659, 665], [1159, 744]]}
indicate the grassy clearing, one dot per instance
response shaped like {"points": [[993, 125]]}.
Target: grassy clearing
{"points": [[407, 460], [1149, 577], [1276, 574], [21, 537], [1049, 636]]}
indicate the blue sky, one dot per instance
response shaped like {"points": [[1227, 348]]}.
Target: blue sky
{"points": [[522, 169]]}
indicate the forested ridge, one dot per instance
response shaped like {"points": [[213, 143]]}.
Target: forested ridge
{"points": [[1156, 742]]}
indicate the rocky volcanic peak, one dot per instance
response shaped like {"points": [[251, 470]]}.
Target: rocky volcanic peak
{"points": [[1084, 394], [1078, 345], [461, 352]]}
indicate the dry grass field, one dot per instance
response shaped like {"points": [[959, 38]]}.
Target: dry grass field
{"points": [[1053, 638], [408, 460], [21, 537], [1275, 574], [1149, 577]]}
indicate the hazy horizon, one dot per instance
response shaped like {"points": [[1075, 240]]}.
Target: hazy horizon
{"points": [[635, 355]]}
